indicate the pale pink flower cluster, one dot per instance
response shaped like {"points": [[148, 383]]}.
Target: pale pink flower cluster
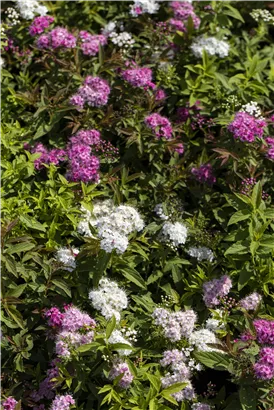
{"points": [[216, 289], [119, 368], [175, 325], [251, 302], [183, 10]]}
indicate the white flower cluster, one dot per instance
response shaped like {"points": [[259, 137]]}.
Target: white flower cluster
{"points": [[114, 224], [159, 210], [201, 253], [13, 16], [174, 233], [122, 39], [117, 337], [112, 27], [130, 334], [67, 257], [144, 6], [175, 325], [211, 45], [109, 299], [29, 8], [201, 338], [264, 15], [253, 109], [214, 324], [2, 62]]}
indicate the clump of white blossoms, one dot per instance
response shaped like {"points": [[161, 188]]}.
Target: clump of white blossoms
{"points": [[214, 324], [66, 256], [117, 337], [13, 16], [113, 224], [253, 109], [144, 6], [130, 334], [123, 40], [211, 45], [174, 233], [111, 27], [2, 62], [264, 15], [159, 210], [201, 253], [29, 8], [109, 299], [201, 338]]}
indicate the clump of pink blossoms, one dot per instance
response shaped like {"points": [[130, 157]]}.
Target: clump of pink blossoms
{"points": [[246, 128], [138, 76], [216, 289], [54, 316], [119, 368], [53, 156], [160, 126], [204, 174], [94, 92], [62, 402], [264, 368], [9, 403], [58, 37], [251, 302], [265, 331], [39, 25], [270, 152], [47, 386], [182, 11], [90, 44]]}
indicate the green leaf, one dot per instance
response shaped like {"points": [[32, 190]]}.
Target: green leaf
{"points": [[133, 276], [155, 381], [213, 360], [232, 12], [32, 223], [244, 278], [267, 241], [248, 398], [236, 248], [269, 213], [101, 266], [87, 347], [110, 326], [62, 285], [256, 197], [120, 346], [16, 292], [20, 247], [15, 315], [239, 216]]}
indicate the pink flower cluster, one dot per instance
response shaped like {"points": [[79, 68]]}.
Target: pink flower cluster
{"points": [[53, 156], [160, 95], [90, 44], [94, 92], [175, 325], [204, 174], [216, 289], [62, 402], [251, 302], [83, 166], [58, 37], [264, 368], [138, 76], [39, 24], [9, 403], [182, 11], [47, 386], [265, 331], [160, 126], [54, 316], [246, 127], [270, 152], [118, 369]]}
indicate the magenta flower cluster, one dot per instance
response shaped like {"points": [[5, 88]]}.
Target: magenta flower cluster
{"points": [[215, 289], [119, 368], [246, 128], [47, 386], [160, 126], [62, 402], [53, 156], [264, 368], [39, 25], [56, 38], [265, 331], [54, 316], [9, 403], [83, 166], [94, 92], [182, 11], [270, 152], [138, 76], [90, 44], [204, 174]]}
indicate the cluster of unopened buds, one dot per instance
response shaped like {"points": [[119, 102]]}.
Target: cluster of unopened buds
{"points": [[248, 184], [13, 16], [130, 334], [106, 358], [167, 300], [229, 303], [211, 390]]}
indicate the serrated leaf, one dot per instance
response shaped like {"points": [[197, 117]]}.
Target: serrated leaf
{"points": [[239, 216], [110, 326], [32, 223], [62, 285], [20, 247], [213, 360], [133, 276]]}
